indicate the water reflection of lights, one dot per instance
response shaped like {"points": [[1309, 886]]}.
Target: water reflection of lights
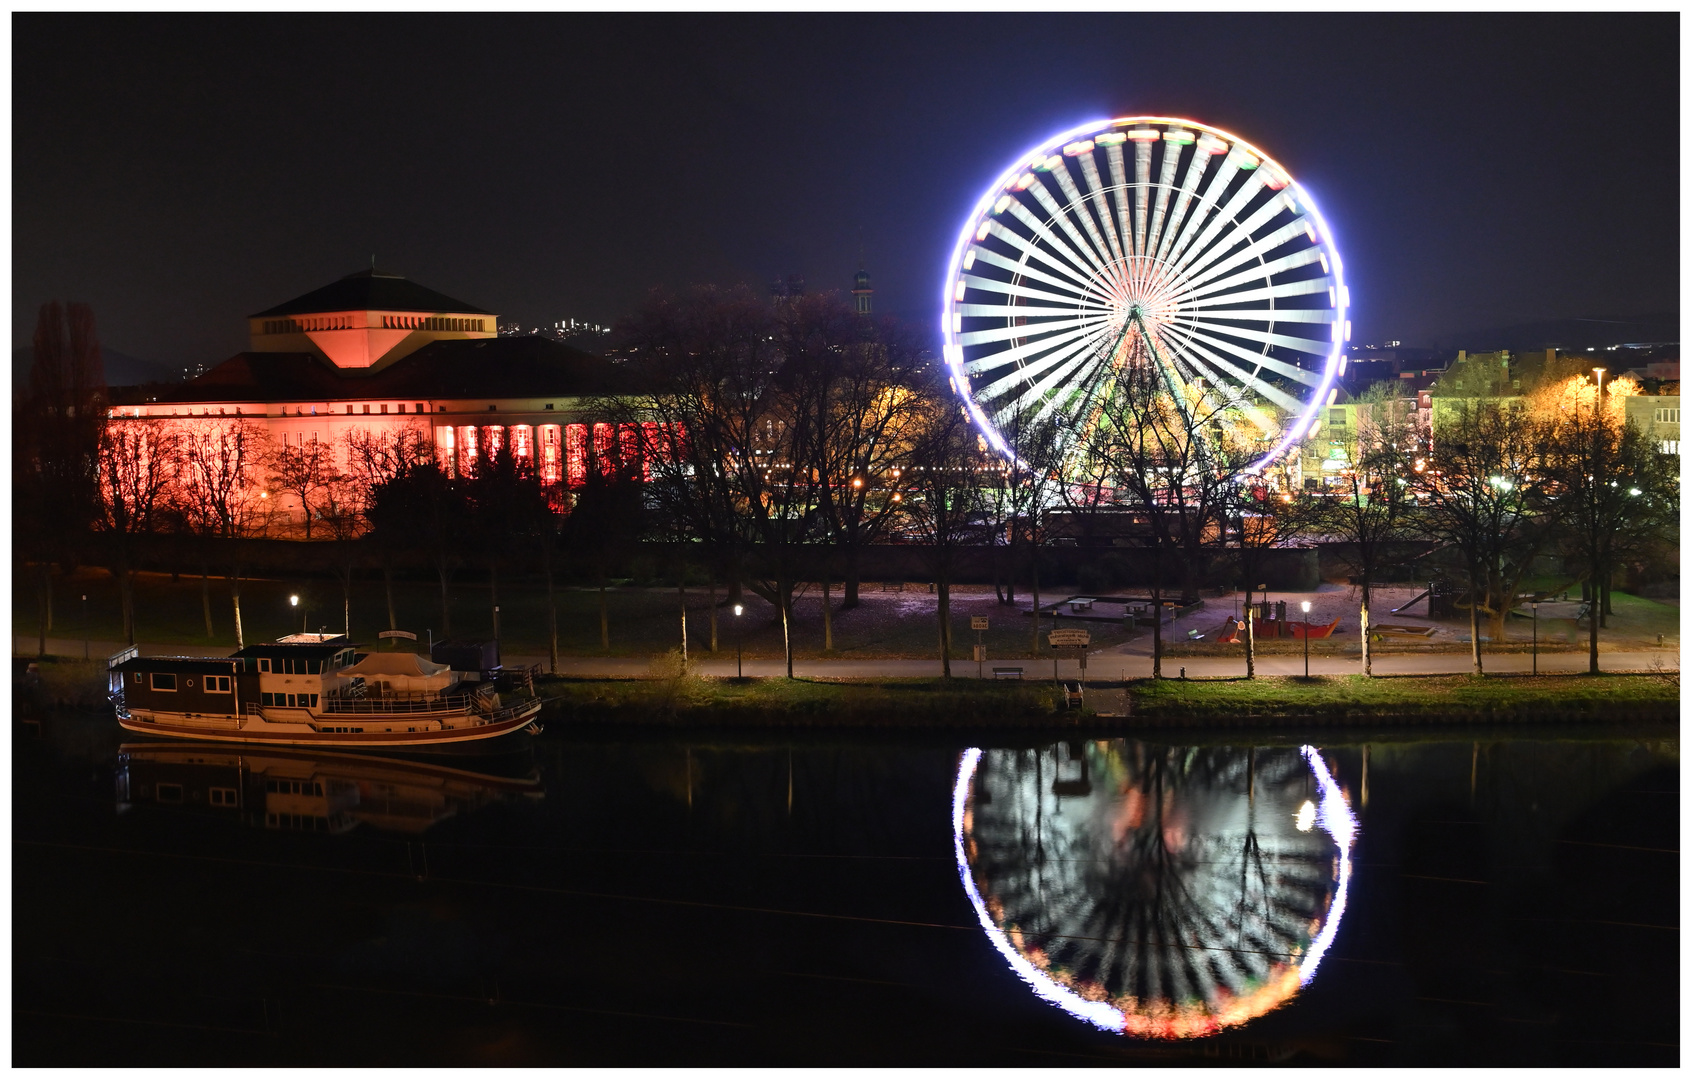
{"points": [[1117, 896]]}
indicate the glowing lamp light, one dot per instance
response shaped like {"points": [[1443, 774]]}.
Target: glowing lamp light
{"points": [[1054, 162], [1145, 134], [293, 601], [1633, 491], [737, 610], [1026, 181], [1075, 149], [1178, 137], [1306, 606], [1110, 138], [857, 482], [1004, 201], [1305, 819], [981, 233], [958, 292], [969, 258]]}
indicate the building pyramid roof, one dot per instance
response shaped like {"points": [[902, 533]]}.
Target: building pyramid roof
{"points": [[371, 290]]}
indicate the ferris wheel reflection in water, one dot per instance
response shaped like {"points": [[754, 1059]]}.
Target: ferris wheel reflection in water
{"points": [[1160, 892]]}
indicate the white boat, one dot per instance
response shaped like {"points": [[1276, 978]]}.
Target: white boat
{"points": [[311, 690]]}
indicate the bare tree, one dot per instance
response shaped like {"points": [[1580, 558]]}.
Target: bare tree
{"points": [[219, 488], [306, 471], [942, 500], [1481, 493], [1371, 507], [139, 461]]}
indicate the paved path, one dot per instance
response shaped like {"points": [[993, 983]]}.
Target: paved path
{"points": [[1104, 666]]}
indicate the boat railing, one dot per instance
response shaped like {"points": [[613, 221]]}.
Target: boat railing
{"points": [[341, 705]]}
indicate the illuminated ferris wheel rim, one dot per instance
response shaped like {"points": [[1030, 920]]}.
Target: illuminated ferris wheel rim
{"points": [[1303, 206]]}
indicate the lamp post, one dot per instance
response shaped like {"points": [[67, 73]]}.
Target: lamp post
{"points": [[85, 626], [294, 601], [1306, 606], [1535, 606], [739, 640]]}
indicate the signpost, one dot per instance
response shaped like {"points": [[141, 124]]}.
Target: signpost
{"points": [[978, 623], [407, 634], [1070, 639]]}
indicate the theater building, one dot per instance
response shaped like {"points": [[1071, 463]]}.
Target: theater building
{"points": [[377, 353]]}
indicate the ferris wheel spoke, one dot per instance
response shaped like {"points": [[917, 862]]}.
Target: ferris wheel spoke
{"points": [[1019, 311], [1028, 349], [1226, 215], [1207, 218], [1100, 204], [1165, 183], [1054, 377], [1087, 251], [1279, 315], [1247, 231], [1232, 385], [1142, 192], [1119, 188], [1252, 378], [1074, 268], [1019, 291], [1077, 290], [1254, 247], [1007, 333], [1197, 166], [1263, 272], [1307, 346], [1058, 359], [1079, 199]]}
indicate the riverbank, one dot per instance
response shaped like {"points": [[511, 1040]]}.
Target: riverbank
{"points": [[1136, 704]]}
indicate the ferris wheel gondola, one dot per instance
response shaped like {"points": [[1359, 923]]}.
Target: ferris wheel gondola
{"points": [[1152, 242]]}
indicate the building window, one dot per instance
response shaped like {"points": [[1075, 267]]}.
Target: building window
{"points": [[549, 406], [400, 408], [264, 664], [367, 410], [1336, 417], [1668, 416], [1671, 446], [384, 410], [164, 681], [420, 408]]}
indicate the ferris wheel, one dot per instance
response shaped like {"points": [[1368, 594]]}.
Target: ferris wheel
{"points": [[1153, 242]]}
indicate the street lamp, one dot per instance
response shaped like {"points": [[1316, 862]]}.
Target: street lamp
{"points": [[739, 639], [294, 601], [85, 626], [1306, 606], [1535, 606]]}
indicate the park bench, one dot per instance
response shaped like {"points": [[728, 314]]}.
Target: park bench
{"points": [[1078, 604], [1195, 635], [1007, 673]]}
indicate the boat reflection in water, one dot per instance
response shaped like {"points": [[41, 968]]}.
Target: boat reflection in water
{"points": [[306, 790], [1162, 892]]}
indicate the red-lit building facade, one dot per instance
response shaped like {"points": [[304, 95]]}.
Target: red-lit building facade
{"points": [[376, 353]]}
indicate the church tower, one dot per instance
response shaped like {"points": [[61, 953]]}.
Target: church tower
{"points": [[861, 292]]}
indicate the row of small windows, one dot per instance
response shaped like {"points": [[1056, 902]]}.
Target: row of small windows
{"points": [[288, 701], [389, 322], [1671, 446], [290, 666], [293, 787], [1667, 416], [166, 680]]}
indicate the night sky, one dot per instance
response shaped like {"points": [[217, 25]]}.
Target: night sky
{"points": [[181, 172]]}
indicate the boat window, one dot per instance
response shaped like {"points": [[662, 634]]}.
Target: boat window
{"points": [[217, 684], [163, 680], [264, 664], [168, 793], [222, 796]]}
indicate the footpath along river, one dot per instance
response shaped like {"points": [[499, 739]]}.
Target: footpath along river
{"points": [[1322, 897]]}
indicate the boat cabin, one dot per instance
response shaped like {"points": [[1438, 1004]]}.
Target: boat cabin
{"points": [[295, 675], [191, 685]]}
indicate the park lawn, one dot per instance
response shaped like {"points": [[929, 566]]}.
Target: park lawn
{"points": [[867, 703], [890, 622], [1454, 696]]}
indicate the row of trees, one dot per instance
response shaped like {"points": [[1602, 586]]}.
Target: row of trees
{"points": [[769, 435]]}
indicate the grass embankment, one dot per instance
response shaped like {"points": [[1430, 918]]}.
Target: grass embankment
{"points": [[692, 701], [1536, 698]]}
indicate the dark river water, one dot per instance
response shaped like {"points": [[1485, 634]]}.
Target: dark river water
{"points": [[1309, 898]]}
